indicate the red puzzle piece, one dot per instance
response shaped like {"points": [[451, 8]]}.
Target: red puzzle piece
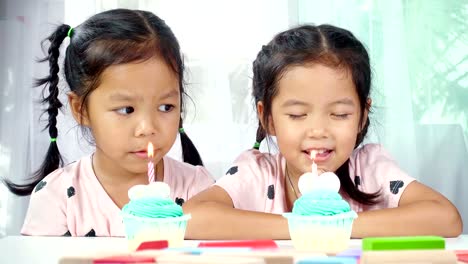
{"points": [[154, 245], [124, 260], [462, 255], [253, 244]]}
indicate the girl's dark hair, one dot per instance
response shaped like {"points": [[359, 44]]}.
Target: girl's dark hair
{"points": [[109, 38], [324, 44]]}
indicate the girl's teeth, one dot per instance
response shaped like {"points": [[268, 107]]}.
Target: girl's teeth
{"points": [[320, 151]]}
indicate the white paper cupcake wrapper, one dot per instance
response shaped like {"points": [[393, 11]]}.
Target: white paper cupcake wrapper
{"points": [[141, 229], [329, 234]]}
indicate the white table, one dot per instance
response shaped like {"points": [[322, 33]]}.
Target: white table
{"points": [[48, 250]]}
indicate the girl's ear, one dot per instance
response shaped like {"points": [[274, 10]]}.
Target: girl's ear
{"points": [[366, 113], [76, 109], [271, 127]]}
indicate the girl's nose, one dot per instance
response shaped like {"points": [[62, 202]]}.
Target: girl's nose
{"points": [[317, 133], [146, 127], [317, 127]]}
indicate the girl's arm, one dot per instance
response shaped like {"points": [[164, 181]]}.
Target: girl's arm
{"points": [[421, 211], [214, 217]]}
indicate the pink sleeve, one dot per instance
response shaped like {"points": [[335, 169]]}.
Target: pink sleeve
{"points": [[202, 181], [374, 170], [46, 215], [246, 181]]}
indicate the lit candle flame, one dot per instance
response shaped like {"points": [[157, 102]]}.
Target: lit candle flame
{"points": [[150, 150]]}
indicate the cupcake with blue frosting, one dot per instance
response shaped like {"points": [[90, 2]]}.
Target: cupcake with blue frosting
{"points": [[321, 220], [151, 215]]}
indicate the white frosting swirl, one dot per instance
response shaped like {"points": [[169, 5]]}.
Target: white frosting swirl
{"points": [[326, 181], [154, 189]]}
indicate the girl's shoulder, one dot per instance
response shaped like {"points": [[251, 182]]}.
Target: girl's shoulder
{"points": [[254, 157], [253, 162], [373, 169], [372, 161], [63, 176], [185, 178], [254, 180], [174, 167], [370, 154]]}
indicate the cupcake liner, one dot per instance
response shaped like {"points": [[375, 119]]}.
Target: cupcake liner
{"points": [[328, 234], [142, 229]]}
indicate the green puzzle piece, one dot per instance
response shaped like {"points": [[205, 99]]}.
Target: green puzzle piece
{"points": [[403, 243]]}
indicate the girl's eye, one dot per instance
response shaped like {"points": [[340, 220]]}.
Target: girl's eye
{"points": [[341, 116], [295, 117], [125, 110], [165, 108]]}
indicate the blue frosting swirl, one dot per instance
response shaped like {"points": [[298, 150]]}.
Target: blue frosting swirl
{"points": [[320, 202], [153, 207]]}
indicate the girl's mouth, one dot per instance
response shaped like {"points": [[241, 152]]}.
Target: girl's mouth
{"points": [[322, 154], [141, 154]]}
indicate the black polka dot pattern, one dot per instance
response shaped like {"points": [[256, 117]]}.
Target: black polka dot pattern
{"points": [[179, 201], [40, 185], [70, 191], [357, 180], [395, 186], [232, 170], [91, 233], [271, 192]]}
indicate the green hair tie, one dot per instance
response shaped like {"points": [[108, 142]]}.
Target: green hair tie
{"points": [[70, 32], [53, 139], [181, 130], [256, 145]]}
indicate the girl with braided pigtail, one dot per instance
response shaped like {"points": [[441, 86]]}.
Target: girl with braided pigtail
{"points": [[311, 87], [125, 72]]}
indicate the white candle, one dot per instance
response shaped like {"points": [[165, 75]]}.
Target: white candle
{"points": [[150, 163], [313, 154]]}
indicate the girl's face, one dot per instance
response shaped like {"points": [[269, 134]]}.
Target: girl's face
{"points": [[316, 108], [134, 104]]}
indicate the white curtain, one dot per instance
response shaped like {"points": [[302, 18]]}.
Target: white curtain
{"points": [[23, 24], [419, 96]]}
